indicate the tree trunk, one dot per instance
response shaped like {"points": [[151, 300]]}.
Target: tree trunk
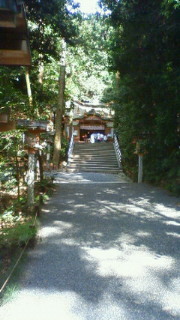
{"points": [[41, 171], [18, 177], [59, 112]]}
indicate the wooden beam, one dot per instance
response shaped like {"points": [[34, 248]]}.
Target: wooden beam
{"points": [[15, 58]]}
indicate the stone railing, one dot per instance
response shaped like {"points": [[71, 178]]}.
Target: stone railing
{"points": [[71, 147], [117, 150]]}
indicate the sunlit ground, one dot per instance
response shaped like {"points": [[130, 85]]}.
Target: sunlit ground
{"points": [[108, 252]]}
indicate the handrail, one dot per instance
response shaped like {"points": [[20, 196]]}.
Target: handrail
{"points": [[71, 147], [117, 150]]}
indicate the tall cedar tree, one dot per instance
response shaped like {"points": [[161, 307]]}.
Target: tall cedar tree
{"points": [[145, 54]]}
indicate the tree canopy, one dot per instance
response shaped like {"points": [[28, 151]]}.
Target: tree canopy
{"points": [[144, 52], [127, 58]]}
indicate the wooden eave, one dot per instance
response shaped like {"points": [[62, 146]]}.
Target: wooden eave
{"points": [[14, 43]]}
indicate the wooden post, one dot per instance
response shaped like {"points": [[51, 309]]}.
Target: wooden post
{"points": [[140, 168]]}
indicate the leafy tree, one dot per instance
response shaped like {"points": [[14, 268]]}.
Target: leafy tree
{"points": [[48, 22], [87, 62], [144, 52], [11, 156]]}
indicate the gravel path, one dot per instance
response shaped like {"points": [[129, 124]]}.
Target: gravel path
{"points": [[108, 250]]}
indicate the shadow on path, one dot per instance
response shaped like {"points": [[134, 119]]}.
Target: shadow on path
{"points": [[105, 252]]}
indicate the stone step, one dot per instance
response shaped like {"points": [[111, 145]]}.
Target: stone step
{"points": [[98, 170], [84, 148], [93, 163], [87, 151], [96, 160], [94, 154], [88, 155], [77, 165], [93, 157], [93, 145], [93, 150], [97, 157]]}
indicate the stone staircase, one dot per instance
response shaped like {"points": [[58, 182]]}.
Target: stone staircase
{"points": [[96, 157]]}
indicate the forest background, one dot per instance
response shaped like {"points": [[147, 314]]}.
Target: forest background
{"points": [[125, 56]]}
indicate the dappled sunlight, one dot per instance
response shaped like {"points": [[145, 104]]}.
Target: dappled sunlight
{"points": [[80, 206], [139, 272], [70, 201], [170, 300], [158, 209], [144, 208], [50, 231], [88, 178], [105, 211], [118, 263], [143, 234], [50, 305], [69, 212], [173, 234], [128, 209], [104, 253], [110, 191], [68, 242], [134, 209], [43, 210], [167, 212], [66, 305], [172, 223]]}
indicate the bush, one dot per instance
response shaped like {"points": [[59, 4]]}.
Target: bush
{"points": [[17, 235]]}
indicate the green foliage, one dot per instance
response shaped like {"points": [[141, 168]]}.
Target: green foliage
{"points": [[10, 157], [64, 149], [18, 235], [144, 51], [87, 62], [44, 187], [13, 96], [47, 24], [50, 20]]}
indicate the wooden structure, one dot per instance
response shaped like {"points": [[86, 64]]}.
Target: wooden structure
{"points": [[14, 42], [88, 119]]}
